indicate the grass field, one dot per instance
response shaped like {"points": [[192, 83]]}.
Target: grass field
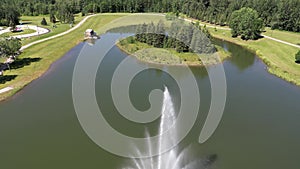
{"points": [[291, 37], [38, 58], [279, 57], [135, 19], [36, 20]]}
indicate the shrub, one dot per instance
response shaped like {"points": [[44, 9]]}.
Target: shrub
{"points": [[297, 57], [44, 22]]}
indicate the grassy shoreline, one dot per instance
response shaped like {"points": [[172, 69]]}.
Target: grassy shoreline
{"points": [[42, 56], [149, 54], [278, 57]]}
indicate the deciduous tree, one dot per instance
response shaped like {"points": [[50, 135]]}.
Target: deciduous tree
{"points": [[246, 23]]}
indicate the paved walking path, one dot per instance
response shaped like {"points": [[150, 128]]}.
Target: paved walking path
{"points": [[38, 31], [281, 41], [265, 36], [4, 31], [6, 90]]}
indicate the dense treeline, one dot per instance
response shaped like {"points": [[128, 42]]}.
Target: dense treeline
{"points": [[183, 38], [281, 14]]}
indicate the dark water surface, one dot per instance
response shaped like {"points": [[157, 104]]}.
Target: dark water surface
{"points": [[39, 128]]}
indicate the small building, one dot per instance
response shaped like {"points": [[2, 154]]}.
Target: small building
{"points": [[90, 34]]}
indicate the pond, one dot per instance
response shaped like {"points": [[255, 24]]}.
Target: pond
{"points": [[259, 129]]}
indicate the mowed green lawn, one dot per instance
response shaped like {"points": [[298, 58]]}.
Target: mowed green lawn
{"points": [[48, 52], [292, 37], [279, 57], [36, 20]]}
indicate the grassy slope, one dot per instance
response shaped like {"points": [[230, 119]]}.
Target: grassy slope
{"points": [[279, 57], [50, 51]]}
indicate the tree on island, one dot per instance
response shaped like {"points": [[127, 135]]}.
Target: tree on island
{"points": [[159, 40], [246, 23], [297, 57], [182, 38]]}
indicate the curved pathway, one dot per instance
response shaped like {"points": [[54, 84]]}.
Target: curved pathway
{"points": [[43, 40], [38, 31], [58, 35]]}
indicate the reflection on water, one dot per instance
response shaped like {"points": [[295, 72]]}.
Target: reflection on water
{"points": [[39, 128], [240, 57]]}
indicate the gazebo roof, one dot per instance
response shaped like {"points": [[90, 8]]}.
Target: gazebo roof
{"points": [[89, 30]]}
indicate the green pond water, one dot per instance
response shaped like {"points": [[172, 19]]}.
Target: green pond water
{"points": [[39, 128]]}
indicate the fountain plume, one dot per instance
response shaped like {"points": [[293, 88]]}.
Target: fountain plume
{"points": [[172, 159]]}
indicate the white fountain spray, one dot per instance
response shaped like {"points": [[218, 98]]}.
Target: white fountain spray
{"points": [[171, 159], [168, 118]]}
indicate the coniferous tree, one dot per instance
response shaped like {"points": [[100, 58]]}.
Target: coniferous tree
{"points": [[280, 14], [52, 18]]}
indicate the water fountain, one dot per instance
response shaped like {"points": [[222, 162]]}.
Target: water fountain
{"points": [[173, 159]]}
